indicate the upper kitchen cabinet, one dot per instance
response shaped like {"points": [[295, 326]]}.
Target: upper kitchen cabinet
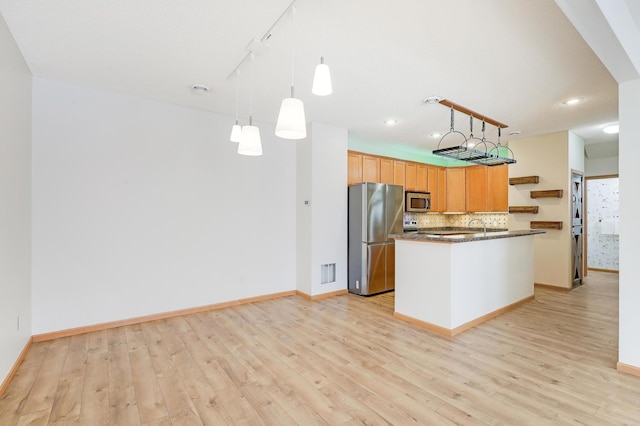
{"points": [[441, 193], [422, 177], [456, 189], [354, 168], [386, 171], [411, 177], [399, 170], [498, 184], [476, 189], [436, 185], [370, 168]]}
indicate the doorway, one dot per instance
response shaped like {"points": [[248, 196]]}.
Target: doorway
{"points": [[603, 214]]}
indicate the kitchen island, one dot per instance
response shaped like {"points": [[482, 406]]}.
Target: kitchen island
{"points": [[450, 283]]}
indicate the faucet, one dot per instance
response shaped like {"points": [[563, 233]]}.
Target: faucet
{"points": [[484, 225]]}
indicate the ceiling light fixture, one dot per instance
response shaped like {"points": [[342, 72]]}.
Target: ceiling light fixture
{"points": [[390, 122], [200, 88], [291, 122], [250, 143], [612, 129], [573, 101], [322, 77], [236, 129]]}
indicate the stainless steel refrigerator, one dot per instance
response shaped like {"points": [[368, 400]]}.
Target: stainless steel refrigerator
{"points": [[375, 211]]}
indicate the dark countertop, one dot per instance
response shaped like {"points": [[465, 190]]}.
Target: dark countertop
{"points": [[472, 234]]}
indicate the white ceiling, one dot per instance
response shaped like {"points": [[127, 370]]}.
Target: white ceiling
{"points": [[513, 60]]}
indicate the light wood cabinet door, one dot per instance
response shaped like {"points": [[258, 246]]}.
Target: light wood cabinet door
{"points": [[386, 171], [476, 189], [455, 189], [370, 168], [498, 188], [399, 172], [410, 176], [442, 189], [421, 178], [354, 168], [432, 187]]}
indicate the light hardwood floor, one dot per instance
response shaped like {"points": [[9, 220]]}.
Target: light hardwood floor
{"points": [[343, 360]]}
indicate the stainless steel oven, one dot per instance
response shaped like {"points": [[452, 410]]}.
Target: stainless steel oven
{"points": [[417, 202]]}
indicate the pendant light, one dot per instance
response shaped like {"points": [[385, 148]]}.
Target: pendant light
{"points": [[236, 129], [250, 143], [291, 122], [322, 77]]}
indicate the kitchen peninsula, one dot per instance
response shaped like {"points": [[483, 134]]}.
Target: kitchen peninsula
{"points": [[450, 283]]}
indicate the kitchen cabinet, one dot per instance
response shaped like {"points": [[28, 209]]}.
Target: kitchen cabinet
{"points": [[498, 188], [455, 189], [386, 171], [442, 189], [354, 168], [476, 189], [410, 177], [399, 170], [433, 186], [370, 168], [422, 177]]}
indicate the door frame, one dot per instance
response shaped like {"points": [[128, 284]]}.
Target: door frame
{"points": [[583, 265], [584, 215]]}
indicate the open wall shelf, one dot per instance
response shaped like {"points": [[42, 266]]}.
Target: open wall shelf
{"points": [[551, 193], [523, 209], [524, 180], [545, 225]]}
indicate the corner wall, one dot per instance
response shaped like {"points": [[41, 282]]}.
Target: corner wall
{"points": [[142, 207], [547, 156], [322, 224], [15, 202], [629, 346]]}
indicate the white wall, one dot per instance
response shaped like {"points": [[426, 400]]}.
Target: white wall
{"points": [[601, 166], [142, 207], [546, 156], [15, 202], [629, 102], [322, 226]]}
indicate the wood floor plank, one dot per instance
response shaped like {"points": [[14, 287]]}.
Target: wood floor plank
{"points": [[95, 392], [149, 398], [343, 360], [123, 408]]}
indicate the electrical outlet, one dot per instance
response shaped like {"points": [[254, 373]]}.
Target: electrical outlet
{"points": [[358, 284]]}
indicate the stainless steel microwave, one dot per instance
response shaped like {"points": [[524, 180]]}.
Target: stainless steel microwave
{"points": [[417, 202]]}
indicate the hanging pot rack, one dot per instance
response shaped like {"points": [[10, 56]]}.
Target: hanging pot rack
{"points": [[489, 156]]}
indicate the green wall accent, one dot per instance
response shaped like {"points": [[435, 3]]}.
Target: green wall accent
{"points": [[393, 150], [409, 153]]}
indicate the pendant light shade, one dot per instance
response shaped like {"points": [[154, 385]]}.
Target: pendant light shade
{"points": [[291, 123], [322, 80], [250, 143], [236, 131]]}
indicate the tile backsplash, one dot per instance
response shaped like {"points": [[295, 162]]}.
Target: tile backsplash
{"points": [[436, 220]]}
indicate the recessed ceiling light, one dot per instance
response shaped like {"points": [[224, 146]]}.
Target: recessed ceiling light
{"points": [[390, 122], [573, 101], [515, 132], [200, 88], [435, 135], [612, 129], [432, 100]]}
